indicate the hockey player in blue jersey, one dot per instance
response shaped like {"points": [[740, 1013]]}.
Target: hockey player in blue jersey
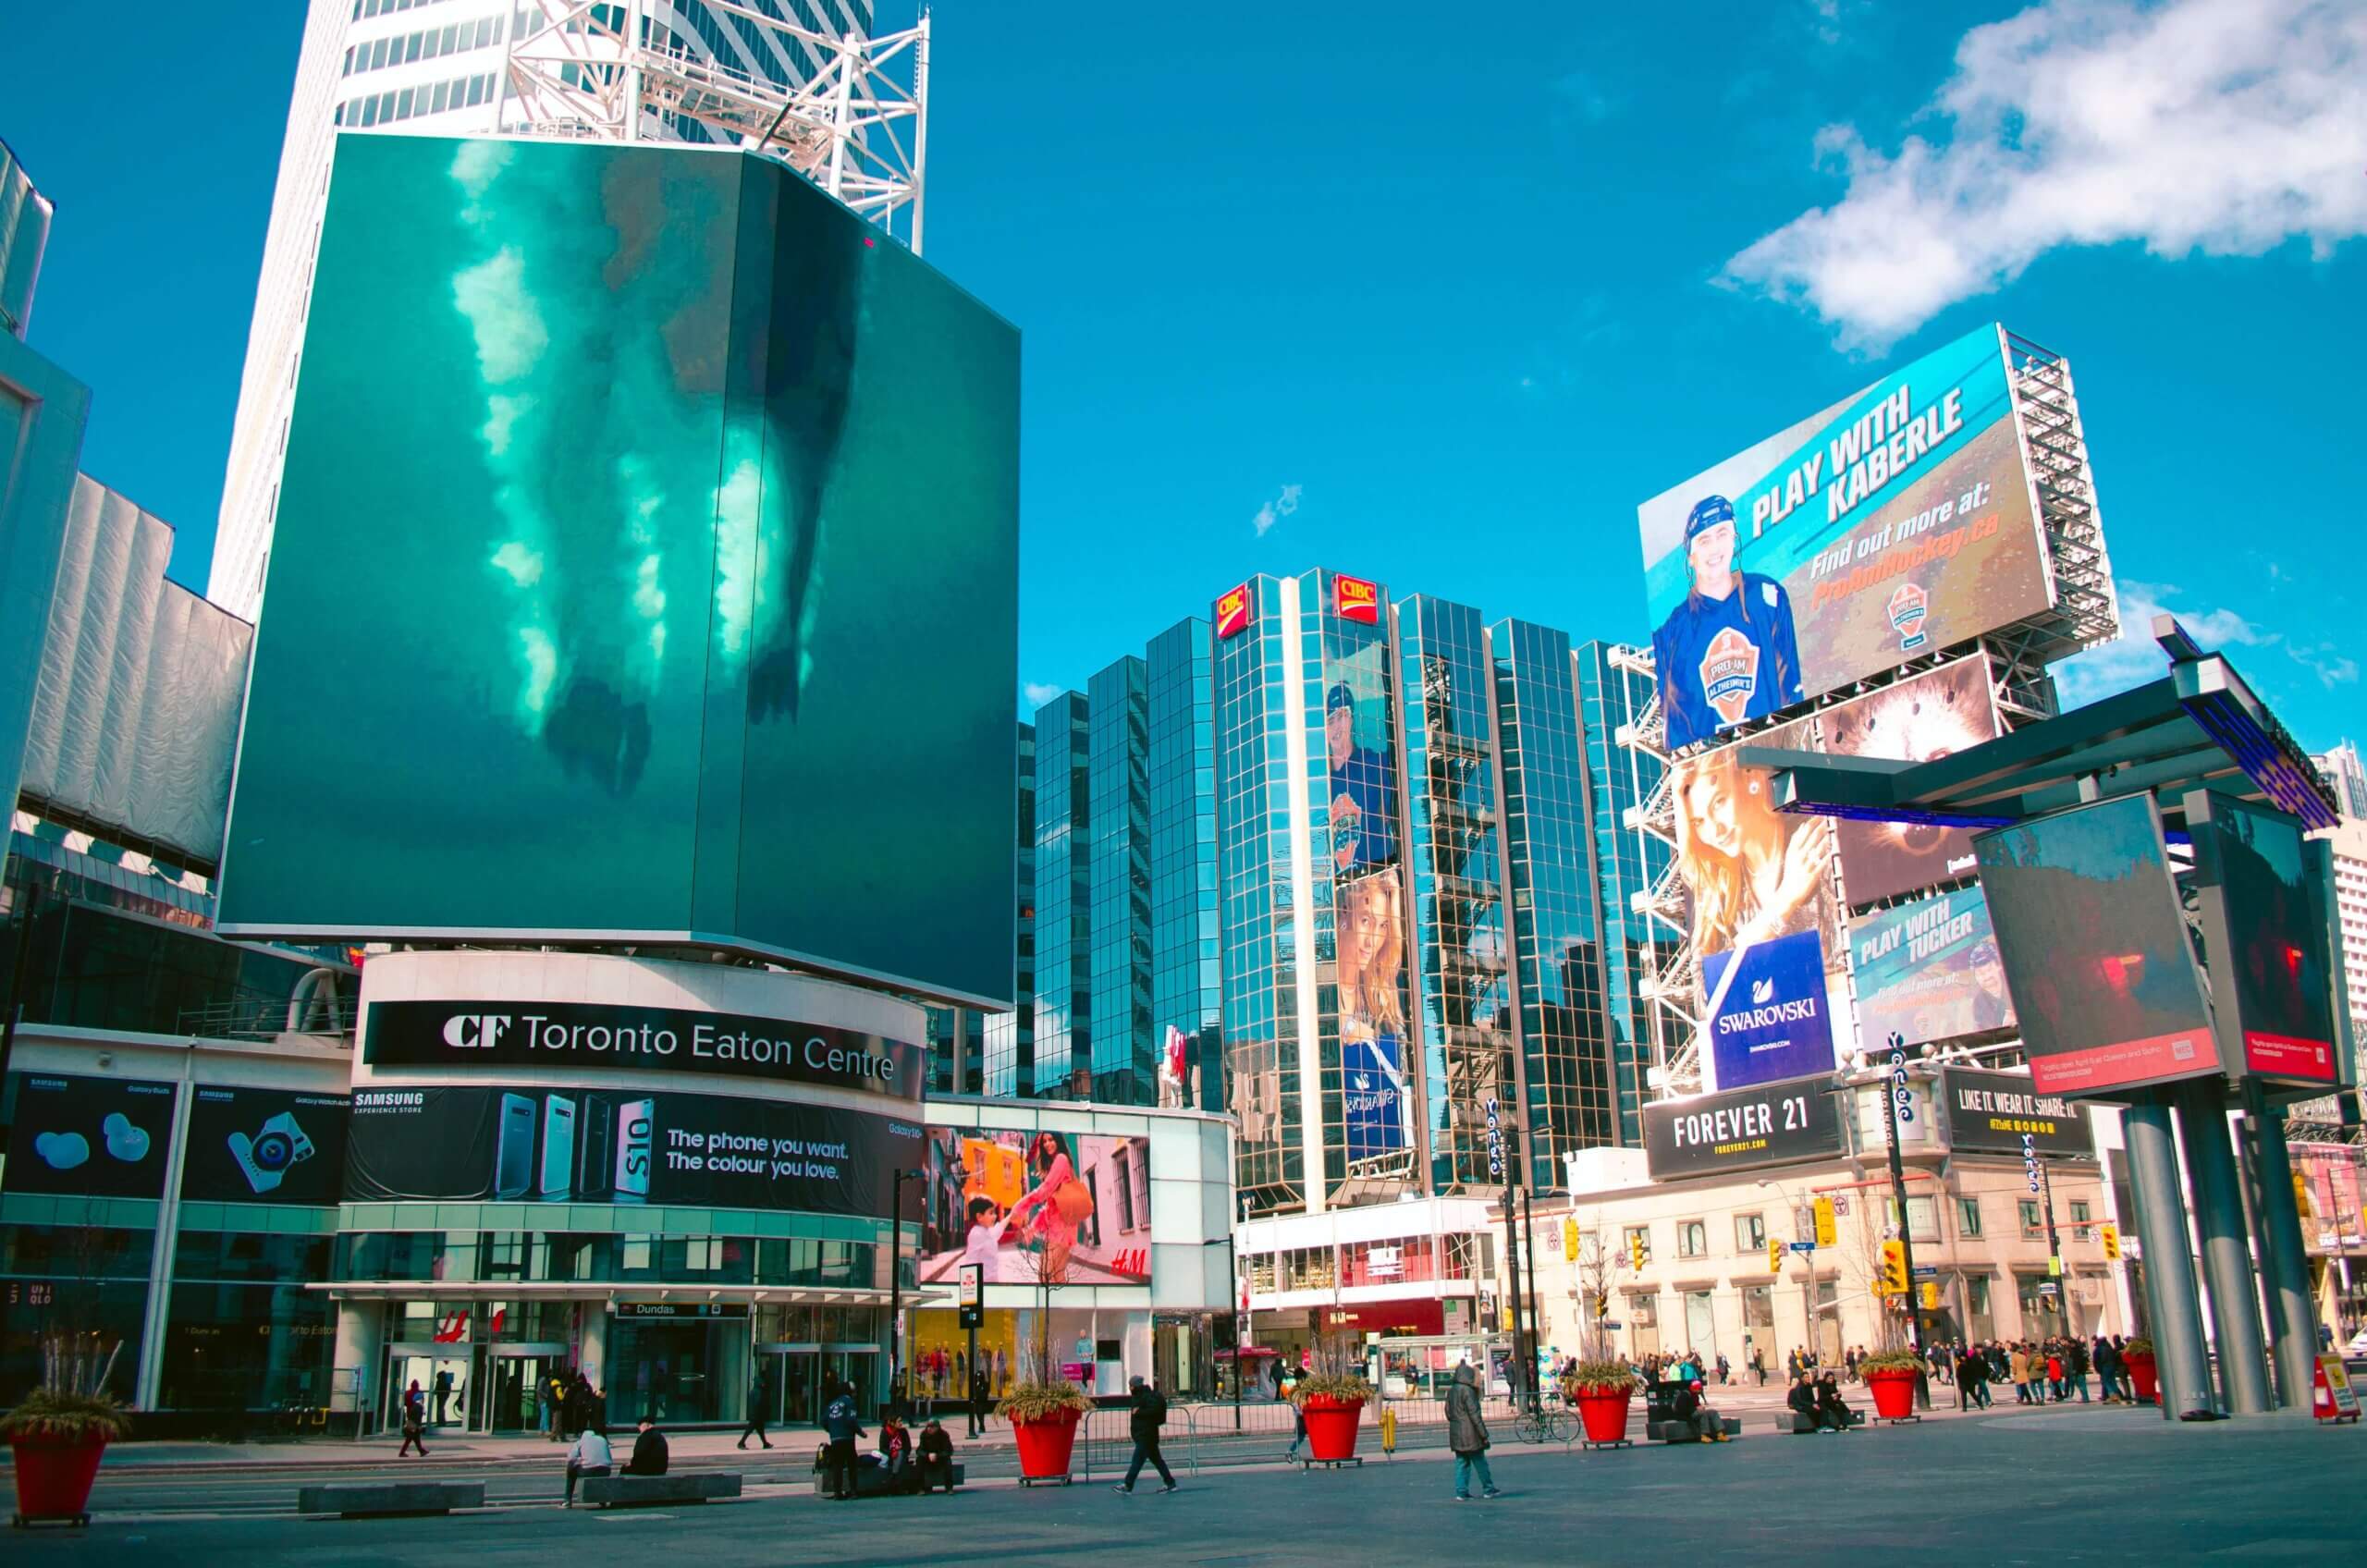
{"points": [[1727, 653]]}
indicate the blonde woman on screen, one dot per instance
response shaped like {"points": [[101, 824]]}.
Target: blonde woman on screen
{"points": [[1754, 872]]}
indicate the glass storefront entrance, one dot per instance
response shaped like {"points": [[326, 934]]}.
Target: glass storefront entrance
{"points": [[676, 1369], [516, 1403]]}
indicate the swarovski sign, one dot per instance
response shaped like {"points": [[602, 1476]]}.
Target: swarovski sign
{"points": [[574, 1036]]}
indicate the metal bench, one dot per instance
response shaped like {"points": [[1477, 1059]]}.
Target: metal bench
{"points": [[358, 1500], [675, 1485], [871, 1480]]}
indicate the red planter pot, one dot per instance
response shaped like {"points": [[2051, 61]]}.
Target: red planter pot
{"points": [[1604, 1415], [1331, 1425], [54, 1479], [1893, 1394], [1046, 1445], [2140, 1376]]}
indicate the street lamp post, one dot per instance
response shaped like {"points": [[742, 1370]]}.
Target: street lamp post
{"points": [[1808, 1292], [896, 1285]]}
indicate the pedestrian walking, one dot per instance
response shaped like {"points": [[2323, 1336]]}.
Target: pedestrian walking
{"points": [[839, 1423], [759, 1412], [1724, 1369], [1466, 1435], [590, 1455], [1298, 1417], [1758, 1366], [2075, 1362], [981, 1395], [414, 1425], [1148, 1416], [2018, 1367]]}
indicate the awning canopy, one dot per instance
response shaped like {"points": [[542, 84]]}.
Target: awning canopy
{"points": [[2199, 726]]}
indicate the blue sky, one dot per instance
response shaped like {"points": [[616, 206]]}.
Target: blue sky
{"points": [[1440, 304]]}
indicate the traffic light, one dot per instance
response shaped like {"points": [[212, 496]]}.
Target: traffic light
{"points": [[1931, 1295], [1894, 1273], [1602, 1306], [1570, 1240], [1635, 1250], [1825, 1233], [2109, 1234], [1774, 1255]]}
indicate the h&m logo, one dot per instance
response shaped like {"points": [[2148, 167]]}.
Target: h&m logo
{"points": [[475, 1031]]}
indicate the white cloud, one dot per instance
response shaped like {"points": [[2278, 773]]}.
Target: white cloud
{"points": [[1276, 509], [2133, 657], [2220, 126], [1040, 692]]}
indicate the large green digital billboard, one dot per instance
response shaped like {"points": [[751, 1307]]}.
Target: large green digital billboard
{"points": [[645, 569]]}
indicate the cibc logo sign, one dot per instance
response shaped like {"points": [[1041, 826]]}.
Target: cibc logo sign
{"points": [[577, 1035]]}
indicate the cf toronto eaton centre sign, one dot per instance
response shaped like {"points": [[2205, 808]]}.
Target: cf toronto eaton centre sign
{"points": [[645, 1040]]}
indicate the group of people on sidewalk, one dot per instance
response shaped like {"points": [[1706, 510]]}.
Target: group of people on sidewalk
{"points": [[590, 1454], [909, 1463], [1818, 1396], [2049, 1371]]}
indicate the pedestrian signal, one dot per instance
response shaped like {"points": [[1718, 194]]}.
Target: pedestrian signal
{"points": [[2110, 1235], [1894, 1270], [1774, 1255], [1825, 1234]]}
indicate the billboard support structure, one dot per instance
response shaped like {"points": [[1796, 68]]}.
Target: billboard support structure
{"points": [[598, 71]]}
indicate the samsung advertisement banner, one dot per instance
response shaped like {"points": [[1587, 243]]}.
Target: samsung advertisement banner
{"points": [[597, 1037], [1896, 523], [1039, 1209], [1769, 1016], [1711, 1134], [264, 1145], [2096, 952], [650, 525], [536, 1144], [1993, 1112], [1929, 971], [84, 1136]]}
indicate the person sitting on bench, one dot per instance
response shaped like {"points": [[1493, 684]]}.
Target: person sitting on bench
{"points": [[937, 1457], [649, 1451], [896, 1451], [1692, 1407], [1801, 1399], [1830, 1411]]}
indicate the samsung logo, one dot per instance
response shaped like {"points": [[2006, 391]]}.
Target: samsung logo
{"points": [[387, 1099]]}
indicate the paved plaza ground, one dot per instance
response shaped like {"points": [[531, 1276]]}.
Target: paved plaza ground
{"points": [[2053, 1487]]}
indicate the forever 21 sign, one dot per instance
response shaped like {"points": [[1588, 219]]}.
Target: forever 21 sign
{"points": [[579, 1035], [1765, 1125]]}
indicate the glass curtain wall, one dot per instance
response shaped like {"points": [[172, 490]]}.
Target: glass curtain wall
{"points": [[1465, 1021], [1009, 1038], [1558, 962], [1117, 1041], [1062, 1068], [1186, 987]]}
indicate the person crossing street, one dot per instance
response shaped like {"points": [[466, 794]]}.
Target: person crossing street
{"points": [[1149, 1413]]}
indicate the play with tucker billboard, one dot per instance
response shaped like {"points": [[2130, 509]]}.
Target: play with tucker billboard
{"points": [[1897, 523]]}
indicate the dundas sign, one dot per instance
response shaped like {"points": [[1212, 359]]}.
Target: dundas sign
{"points": [[593, 1035]]}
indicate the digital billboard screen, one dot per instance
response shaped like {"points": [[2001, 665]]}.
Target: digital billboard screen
{"points": [[525, 1142], [1993, 1112], [2096, 953], [1895, 523], [645, 566], [2274, 960], [1036, 1208], [264, 1145], [1929, 971], [1920, 719], [88, 1137]]}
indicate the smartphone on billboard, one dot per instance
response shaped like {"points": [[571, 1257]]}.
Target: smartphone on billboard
{"points": [[513, 1158], [596, 1133], [636, 1148], [559, 1147]]}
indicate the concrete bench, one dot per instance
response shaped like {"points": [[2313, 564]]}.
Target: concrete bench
{"points": [[1799, 1425], [1675, 1432], [355, 1499], [676, 1486], [871, 1480]]}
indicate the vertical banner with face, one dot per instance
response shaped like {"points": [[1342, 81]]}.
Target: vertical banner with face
{"points": [[1361, 777], [1372, 1014], [1898, 522], [1921, 720]]}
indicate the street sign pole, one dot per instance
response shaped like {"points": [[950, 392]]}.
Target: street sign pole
{"points": [[1896, 1105]]}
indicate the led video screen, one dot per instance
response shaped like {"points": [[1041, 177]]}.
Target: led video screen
{"points": [[2096, 953], [1929, 971], [1919, 719], [2275, 964], [1893, 524], [645, 566], [1039, 1209]]}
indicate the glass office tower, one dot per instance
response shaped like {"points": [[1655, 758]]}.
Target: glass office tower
{"points": [[1117, 833], [1185, 981], [1008, 1039]]}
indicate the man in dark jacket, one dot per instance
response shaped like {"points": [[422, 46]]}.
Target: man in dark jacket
{"points": [[759, 1412], [649, 1452], [1466, 1435], [981, 1399], [1148, 1414], [840, 1422], [1801, 1399], [937, 1457]]}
